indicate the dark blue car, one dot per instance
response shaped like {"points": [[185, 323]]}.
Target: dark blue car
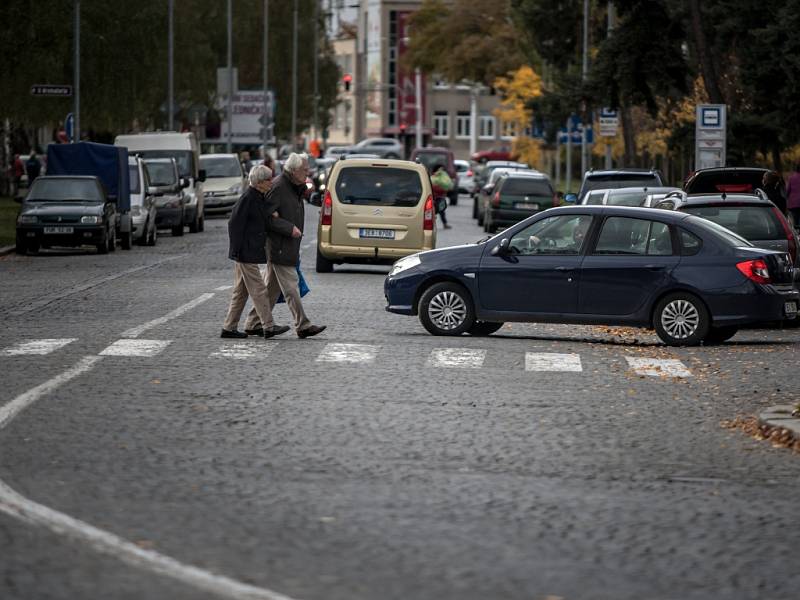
{"points": [[690, 279]]}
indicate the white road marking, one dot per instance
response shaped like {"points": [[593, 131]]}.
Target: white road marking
{"points": [[136, 348], [353, 353], [40, 347], [552, 361], [222, 288], [243, 350], [459, 358], [658, 367], [140, 329]]}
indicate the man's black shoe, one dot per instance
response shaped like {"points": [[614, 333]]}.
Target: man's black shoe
{"points": [[257, 331], [310, 331], [275, 330], [232, 334]]}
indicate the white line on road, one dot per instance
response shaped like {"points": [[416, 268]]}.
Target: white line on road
{"points": [[458, 358], [136, 348], [352, 353], [140, 329], [40, 347], [552, 361], [658, 367], [222, 288], [243, 350]]}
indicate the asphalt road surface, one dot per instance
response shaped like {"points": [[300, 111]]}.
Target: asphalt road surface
{"points": [[141, 456]]}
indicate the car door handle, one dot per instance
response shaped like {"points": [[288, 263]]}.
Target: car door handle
{"points": [[564, 269]]}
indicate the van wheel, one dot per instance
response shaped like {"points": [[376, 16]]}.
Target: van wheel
{"points": [[483, 328], [323, 264], [681, 320], [717, 335], [446, 309], [177, 230]]}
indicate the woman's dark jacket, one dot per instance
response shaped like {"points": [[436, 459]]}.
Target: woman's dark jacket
{"points": [[247, 227], [287, 196]]}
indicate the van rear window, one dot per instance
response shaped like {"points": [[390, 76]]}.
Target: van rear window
{"points": [[379, 186]]}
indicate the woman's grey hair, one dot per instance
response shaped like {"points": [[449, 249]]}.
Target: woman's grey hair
{"points": [[259, 174], [295, 161]]}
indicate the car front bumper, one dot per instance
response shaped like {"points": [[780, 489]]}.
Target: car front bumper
{"points": [[400, 291], [80, 235], [221, 203]]}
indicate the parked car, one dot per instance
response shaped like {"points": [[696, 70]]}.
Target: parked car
{"points": [[167, 187], [687, 277], [481, 200], [383, 147], [618, 178], [465, 176], [225, 181], [483, 172], [66, 210], [374, 212], [517, 196], [503, 152], [432, 157], [752, 216], [630, 196], [144, 212], [336, 151], [323, 169], [732, 180]]}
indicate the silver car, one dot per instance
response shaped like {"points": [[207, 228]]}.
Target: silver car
{"points": [[167, 186], [466, 176], [629, 196], [144, 212], [383, 147]]}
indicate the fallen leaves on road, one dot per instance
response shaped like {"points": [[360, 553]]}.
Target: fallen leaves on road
{"points": [[777, 436]]}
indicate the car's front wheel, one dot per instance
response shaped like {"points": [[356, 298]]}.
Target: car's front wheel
{"points": [[484, 328], [681, 319], [446, 309]]}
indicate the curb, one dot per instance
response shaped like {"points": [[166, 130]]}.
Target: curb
{"points": [[7, 250], [780, 416]]}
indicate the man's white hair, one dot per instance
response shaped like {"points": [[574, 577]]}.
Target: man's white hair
{"points": [[295, 161], [259, 174]]}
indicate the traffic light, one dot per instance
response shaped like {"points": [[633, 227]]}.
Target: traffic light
{"points": [[347, 79]]}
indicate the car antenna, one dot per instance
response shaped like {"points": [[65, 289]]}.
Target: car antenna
{"points": [[724, 195]]}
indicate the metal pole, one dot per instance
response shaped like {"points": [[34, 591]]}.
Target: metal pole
{"points": [[584, 74], [265, 74], [293, 141], [170, 67], [568, 174], [610, 28], [76, 127], [473, 119], [558, 160], [315, 29], [229, 145], [418, 99]]}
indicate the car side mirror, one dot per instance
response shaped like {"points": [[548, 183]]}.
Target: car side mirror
{"points": [[185, 182], [571, 199], [315, 199], [201, 175], [501, 248]]}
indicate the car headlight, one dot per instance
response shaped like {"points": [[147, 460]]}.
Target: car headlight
{"points": [[321, 187], [235, 189], [404, 264], [91, 220], [321, 176], [136, 211], [27, 219]]}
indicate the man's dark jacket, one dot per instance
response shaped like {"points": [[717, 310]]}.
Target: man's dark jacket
{"points": [[247, 227], [288, 198]]}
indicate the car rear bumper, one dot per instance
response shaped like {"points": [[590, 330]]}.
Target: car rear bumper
{"points": [[80, 235], [764, 303], [367, 253]]}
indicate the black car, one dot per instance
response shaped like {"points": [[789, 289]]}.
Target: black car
{"points": [[618, 178], [731, 180], [515, 197], [689, 278], [66, 210]]}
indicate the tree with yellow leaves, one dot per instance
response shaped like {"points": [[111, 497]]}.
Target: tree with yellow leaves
{"points": [[518, 90]]}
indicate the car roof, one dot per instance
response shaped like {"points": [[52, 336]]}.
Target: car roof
{"points": [[667, 216], [511, 174], [357, 155], [607, 172], [219, 155], [504, 163], [656, 189], [362, 161], [699, 199], [461, 162]]}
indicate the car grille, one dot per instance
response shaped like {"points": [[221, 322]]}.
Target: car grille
{"points": [[60, 219]]}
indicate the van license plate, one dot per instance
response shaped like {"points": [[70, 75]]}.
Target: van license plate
{"points": [[386, 234], [528, 205], [59, 230], [790, 308]]}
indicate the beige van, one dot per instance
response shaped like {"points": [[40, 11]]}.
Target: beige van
{"points": [[374, 211]]}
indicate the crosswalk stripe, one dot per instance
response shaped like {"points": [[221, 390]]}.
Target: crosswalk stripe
{"points": [[40, 347], [658, 367], [459, 358], [127, 347], [348, 353], [243, 351], [552, 361]]}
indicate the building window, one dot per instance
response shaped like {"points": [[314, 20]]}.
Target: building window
{"points": [[486, 130], [509, 130], [462, 125], [441, 125]]}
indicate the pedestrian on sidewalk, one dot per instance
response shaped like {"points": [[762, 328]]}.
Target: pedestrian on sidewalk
{"points": [[793, 196], [284, 246], [441, 184], [772, 184], [247, 230]]}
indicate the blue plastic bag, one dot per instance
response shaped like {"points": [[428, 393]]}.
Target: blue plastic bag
{"points": [[304, 289]]}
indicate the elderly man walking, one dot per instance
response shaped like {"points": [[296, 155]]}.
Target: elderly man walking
{"points": [[284, 247], [247, 229]]}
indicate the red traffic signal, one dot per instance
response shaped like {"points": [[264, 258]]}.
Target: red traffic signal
{"points": [[347, 79]]}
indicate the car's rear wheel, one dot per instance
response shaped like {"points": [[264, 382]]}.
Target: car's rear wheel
{"points": [[717, 335], [483, 328], [177, 230], [323, 264], [446, 309], [681, 319], [194, 226]]}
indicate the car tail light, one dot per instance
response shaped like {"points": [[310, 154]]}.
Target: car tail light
{"points": [[787, 229], [429, 216], [755, 270], [496, 199], [327, 208]]}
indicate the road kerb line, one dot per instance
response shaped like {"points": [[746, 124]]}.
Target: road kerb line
{"points": [[140, 329]]}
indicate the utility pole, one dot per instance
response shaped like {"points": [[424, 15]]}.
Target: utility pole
{"points": [[76, 133], [316, 69], [584, 74], [610, 27], [418, 92], [265, 73], [293, 141], [230, 77], [473, 119], [170, 66], [568, 174]]}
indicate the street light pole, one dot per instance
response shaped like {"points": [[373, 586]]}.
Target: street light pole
{"points": [[610, 28], [418, 93], [170, 66], [265, 73], [584, 74], [294, 76], [76, 127], [315, 29], [230, 77]]}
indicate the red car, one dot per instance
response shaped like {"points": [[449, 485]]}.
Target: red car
{"points": [[499, 153]]}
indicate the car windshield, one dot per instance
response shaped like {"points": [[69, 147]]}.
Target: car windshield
{"points": [[432, 160], [527, 187], [621, 180], [720, 231], [379, 186], [182, 157], [133, 171], [738, 181], [64, 190], [221, 166], [161, 173], [626, 198], [750, 222]]}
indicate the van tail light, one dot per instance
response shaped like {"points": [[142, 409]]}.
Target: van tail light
{"points": [[429, 216], [787, 229], [327, 208], [496, 199], [755, 270]]}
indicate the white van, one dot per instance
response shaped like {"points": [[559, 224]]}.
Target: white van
{"points": [[183, 147]]}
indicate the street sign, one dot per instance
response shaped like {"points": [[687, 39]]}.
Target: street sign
{"points": [[609, 121], [64, 91], [710, 136], [69, 125], [576, 135]]}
